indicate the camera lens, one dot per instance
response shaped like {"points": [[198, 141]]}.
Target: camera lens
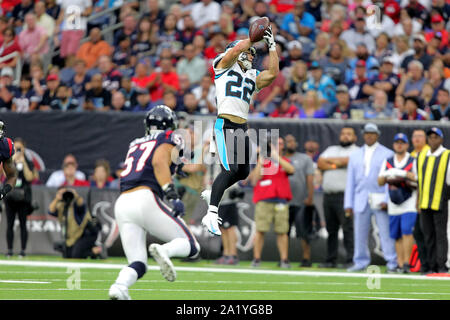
{"points": [[67, 196]]}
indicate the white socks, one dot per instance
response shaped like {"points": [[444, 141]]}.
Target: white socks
{"points": [[127, 277]]}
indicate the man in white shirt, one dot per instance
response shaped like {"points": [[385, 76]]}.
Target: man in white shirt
{"points": [[206, 13], [359, 35], [73, 23], [398, 173], [333, 162], [57, 178]]}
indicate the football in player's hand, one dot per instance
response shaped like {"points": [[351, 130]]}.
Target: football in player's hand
{"points": [[395, 180], [257, 28]]}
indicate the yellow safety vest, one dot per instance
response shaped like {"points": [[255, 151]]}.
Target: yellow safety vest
{"points": [[414, 153], [431, 173]]}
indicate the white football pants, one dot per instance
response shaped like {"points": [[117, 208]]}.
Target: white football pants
{"points": [[141, 211]]}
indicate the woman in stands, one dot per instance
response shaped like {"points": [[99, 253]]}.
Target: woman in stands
{"points": [[8, 46]]}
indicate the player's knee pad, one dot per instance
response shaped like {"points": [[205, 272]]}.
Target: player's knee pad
{"points": [[139, 267], [195, 249]]}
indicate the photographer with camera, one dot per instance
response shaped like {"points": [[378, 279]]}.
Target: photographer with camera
{"points": [[18, 200], [80, 229], [271, 194]]}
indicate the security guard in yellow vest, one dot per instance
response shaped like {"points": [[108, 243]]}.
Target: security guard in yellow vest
{"points": [[78, 228], [419, 142], [433, 175]]}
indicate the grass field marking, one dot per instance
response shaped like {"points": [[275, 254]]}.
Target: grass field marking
{"points": [[240, 291], [250, 282], [24, 281], [384, 298], [219, 270]]}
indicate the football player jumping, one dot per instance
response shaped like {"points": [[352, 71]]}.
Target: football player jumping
{"points": [[146, 180], [236, 82]]}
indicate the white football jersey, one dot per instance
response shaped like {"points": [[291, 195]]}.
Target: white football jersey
{"points": [[234, 88]]}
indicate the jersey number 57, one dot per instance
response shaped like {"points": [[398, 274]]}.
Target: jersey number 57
{"points": [[141, 152]]}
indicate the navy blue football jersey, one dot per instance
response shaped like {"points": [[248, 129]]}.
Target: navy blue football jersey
{"points": [[139, 170], [6, 149]]}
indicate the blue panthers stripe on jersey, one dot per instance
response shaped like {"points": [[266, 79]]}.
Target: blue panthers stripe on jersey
{"points": [[217, 76], [221, 146]]}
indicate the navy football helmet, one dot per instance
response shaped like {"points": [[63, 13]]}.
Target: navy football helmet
{"points": [[160, 117]]}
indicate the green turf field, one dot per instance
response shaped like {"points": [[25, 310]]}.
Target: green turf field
{"points": [[39, 277]]}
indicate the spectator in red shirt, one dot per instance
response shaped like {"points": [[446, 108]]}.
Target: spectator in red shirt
{"points": [[8, 5], [166, 79], [217, 45], [9, 45], [338, 14], [282, 6], [285, 110], [438, 26], [142, 79]]}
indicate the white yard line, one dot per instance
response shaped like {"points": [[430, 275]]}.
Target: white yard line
{"points": [[58, 264], [384, 298], [247, 291], [24, 281]]}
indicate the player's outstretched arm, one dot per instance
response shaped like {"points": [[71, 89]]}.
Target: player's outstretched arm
{"points": [[266, 77], [231, 56]]}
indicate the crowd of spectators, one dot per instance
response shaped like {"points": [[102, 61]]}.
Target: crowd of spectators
{"points": [[336, 59]]}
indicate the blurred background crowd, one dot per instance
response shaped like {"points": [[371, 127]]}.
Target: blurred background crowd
{"points": [[344, 59]]}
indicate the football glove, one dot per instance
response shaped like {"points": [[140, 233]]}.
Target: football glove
{"points": [[269, 39], [7, 188], [172, 196], [169, 192], [177, 208]]}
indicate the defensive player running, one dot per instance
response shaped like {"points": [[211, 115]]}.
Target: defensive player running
{"points": [[146, 180], [236, 82]]}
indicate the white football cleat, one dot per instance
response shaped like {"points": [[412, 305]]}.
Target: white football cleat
{"points": [[119, 292], [211, 221], [206, 195], [166, 267]]}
